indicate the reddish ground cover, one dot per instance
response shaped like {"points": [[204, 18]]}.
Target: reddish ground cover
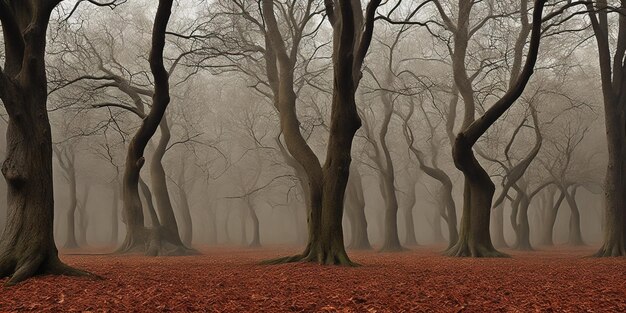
{"points": [[229, 280]]}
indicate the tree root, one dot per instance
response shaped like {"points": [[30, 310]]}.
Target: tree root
{"points": [[464, 249], [39, 265], [611, 250], [154, 242], [331, 257]]}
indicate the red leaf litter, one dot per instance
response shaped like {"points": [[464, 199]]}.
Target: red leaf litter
{"points": [[421, 280]]}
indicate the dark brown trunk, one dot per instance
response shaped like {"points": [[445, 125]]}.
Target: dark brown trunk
{"points": [[522, 229], [27, 245], [613, 84], [474, 238], [161, 240]]}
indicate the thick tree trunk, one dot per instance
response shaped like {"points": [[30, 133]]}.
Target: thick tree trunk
{"points": [[522, 241], [27, 245], [613, 84], [615, 181], [70, 236], [187, 224], [391, 240], [474, 238], [498, 227]]}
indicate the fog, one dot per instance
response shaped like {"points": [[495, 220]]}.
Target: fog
{"points": [[228, 166]]}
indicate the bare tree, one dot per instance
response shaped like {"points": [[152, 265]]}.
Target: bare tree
{"points": [[352, 38], [612, 78], [27, 243]]}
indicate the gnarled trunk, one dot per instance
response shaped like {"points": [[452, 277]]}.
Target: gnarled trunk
{"points": [[27, 245]]}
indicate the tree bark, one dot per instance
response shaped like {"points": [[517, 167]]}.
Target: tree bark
{"points": [[27, 245], [355, 207], [474, 238], [613, 84], [161, 240]]}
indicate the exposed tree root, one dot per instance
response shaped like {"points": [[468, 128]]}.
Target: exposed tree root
{"points": [[332, 257], [465, 249], [154, 242], [611, 250], [20, 269]]}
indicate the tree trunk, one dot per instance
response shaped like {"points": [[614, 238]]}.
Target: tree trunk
{"points": [[212, 240], [523, 228], [355, 206], [551, 210], [70, 236], [474, 238], [27, 245], [409, 224], [244, 230], [575, 235], [436, 224], [256, 234], [161, 240], [613, 84], [114, 216], [498, 227], [83, 220], [187, 236], [161, 193]]}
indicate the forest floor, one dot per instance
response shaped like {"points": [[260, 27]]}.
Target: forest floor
{"points": [[419, 280]]}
